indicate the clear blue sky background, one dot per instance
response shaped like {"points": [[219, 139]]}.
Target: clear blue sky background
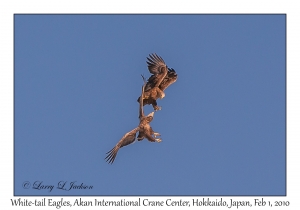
{"points": [[77, 79]]}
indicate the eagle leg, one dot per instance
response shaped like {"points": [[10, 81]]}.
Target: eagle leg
{"points": [[154, 104]]}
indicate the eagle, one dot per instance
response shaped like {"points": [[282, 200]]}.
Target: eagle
{"points": [[161, 78], [144, 129]]}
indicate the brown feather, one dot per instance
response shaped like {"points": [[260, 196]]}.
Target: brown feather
{"points": [[127, 139], [162, 77], [144, 129]]}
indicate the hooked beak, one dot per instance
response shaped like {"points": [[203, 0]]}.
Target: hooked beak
{"points": [[151, 114]]}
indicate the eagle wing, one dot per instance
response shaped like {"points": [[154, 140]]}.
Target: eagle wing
{"points": [[127, 139], [156, 64], [169, 79], [158, 68]]}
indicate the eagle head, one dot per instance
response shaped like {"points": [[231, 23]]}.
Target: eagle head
{"points": [[151, 114], [150, 117]]}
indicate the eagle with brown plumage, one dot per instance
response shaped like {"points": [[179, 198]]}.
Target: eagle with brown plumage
{"points": [[144, 129], [161, 78]]}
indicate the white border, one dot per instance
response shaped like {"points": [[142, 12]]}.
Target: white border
{"points": [[9, 8]]}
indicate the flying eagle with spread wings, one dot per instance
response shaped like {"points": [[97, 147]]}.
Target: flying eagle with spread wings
{"points": [[161, 78], [144, 129]]}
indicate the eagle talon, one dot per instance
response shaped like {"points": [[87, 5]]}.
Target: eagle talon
{"points": [[158, 140], [157, 108], [156, 134]]}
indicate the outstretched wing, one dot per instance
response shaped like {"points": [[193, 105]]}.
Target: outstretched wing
{"points": [[156, 64], [158, 68], [169, 79], [128, 138]]}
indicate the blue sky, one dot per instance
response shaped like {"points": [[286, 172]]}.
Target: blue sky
{"points": [[223, 123]]}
